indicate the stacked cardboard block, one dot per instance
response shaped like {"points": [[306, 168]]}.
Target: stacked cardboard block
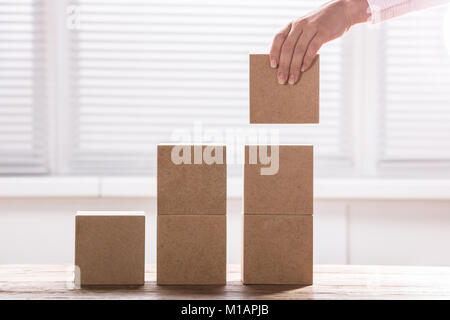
{"points": [[278, 221], [109, 248], [191, 232]]}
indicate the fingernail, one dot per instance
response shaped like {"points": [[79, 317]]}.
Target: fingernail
{"points": [[291, 79], [281, 78], [273, 63], [303, 69]]}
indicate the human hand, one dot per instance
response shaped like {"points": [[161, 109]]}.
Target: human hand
{"points": [[294, 48]]}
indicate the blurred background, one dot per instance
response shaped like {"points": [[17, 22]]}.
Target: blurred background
{"points": [[88, 88]]}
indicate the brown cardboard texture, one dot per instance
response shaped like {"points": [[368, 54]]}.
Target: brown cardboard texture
{"points": [[191, 250], [289, 191], [271, 102], [195, 186], [110, 248], [278, 249]]}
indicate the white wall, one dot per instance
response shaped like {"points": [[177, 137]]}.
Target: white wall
{"points": [[41, 230]]}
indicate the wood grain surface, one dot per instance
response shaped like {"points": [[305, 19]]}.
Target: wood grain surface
{"points": [[330, 282]]}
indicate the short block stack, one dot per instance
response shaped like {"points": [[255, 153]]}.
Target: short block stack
{"points": [[191, 233], [278, 221], [109, 248]]}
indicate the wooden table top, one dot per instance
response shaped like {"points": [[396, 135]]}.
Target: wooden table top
{"points": [[330, 282]]}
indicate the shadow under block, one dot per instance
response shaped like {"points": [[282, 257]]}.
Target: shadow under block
{"points": [[191, 250], [278, 249], [191, 188], [271, 102], [289, 191], [110, 248]]}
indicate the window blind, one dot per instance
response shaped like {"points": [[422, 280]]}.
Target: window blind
{"points": [[141, 69], [415, 93], [23, 140]]}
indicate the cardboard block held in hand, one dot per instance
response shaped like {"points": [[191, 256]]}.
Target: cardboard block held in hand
{"points": [[271, 102]]}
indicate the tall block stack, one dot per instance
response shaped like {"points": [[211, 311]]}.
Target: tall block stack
{"points": [[191, 230], [278, 216]]}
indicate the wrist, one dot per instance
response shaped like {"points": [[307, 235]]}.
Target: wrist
{"points": [[357, 11]]}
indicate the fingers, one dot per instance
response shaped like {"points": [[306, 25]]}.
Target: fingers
{"points": [[287, 51], [304, 42], [311, 53], [293, 50], [278, 41]]}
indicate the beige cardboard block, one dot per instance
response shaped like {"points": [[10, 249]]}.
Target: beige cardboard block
{"points": [[191, 250], [271, 102], [196, 183], [278, 249], [289, 191], [110, 248]]}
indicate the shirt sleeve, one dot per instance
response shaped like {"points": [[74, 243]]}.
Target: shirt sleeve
{"points": [[382, 10]]}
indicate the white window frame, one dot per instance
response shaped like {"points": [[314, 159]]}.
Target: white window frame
{"points": [[59, 108], [362, 176]]}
